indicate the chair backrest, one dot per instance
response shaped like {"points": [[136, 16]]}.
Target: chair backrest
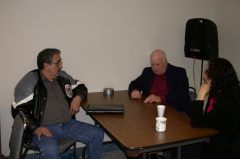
{"points": [[192, 93], [16, 139]]}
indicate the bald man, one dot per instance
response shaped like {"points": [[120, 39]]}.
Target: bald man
{"points": [[162, 83]]}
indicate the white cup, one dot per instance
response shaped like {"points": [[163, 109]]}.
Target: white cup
{"points": [[161, 109], [161, 123]]}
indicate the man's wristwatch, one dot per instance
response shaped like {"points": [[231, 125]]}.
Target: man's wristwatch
{"points": [[78, 96]]}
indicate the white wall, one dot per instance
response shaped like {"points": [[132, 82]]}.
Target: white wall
{"points": [[229, 34], [104, 43]]}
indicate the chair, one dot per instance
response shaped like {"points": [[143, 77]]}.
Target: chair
{"points": [[17, 143], [192, 93]]}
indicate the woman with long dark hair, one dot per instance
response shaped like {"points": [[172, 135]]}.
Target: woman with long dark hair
{"points": [[222, 111]]}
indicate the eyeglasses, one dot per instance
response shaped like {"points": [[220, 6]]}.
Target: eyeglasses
{"points": [[58, 63]]}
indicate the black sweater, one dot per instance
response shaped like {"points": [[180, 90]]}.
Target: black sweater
{"points": [[224, 117]]}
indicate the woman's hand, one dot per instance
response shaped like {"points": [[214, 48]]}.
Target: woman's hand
{"points": [[204, 90]]}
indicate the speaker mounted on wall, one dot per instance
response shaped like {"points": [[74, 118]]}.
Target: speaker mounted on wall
{"points": [[201, 39]]}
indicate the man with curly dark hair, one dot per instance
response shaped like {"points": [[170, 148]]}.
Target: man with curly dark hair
{"points": [[222, 111]]}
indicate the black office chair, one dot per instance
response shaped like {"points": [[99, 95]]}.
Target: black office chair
{"points": [[17, 143], [192, 93]]}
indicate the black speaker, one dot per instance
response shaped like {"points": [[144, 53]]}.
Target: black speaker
{"points": [[201, 39]]}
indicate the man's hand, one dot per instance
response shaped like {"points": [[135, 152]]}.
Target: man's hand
{"points": [[136, 94], [75, 105], [152, 98], [42, 131]]}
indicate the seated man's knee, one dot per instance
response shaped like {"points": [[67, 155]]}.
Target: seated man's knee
{"points": [[50, 151], [99, 133]]}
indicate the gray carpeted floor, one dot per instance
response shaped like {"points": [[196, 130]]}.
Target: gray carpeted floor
{"points": [[109, 151], [114, 155]]}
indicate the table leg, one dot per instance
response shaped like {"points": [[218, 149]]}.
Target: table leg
{"points": [[144, 155], [179, 152]]}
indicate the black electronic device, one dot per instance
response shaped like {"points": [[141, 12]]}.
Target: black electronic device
{"points": [[201, 39], [105, 108]]}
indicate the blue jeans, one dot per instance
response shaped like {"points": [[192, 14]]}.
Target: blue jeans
{"points": [[76, 130]]}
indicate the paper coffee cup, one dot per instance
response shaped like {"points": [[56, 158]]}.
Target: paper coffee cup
{"points": [[161, 109], [161, 123]]}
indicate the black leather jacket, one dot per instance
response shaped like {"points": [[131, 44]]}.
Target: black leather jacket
{"points": [[30, 97]]}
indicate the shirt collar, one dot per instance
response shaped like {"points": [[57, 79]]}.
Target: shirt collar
{"points": [[44, 78]]}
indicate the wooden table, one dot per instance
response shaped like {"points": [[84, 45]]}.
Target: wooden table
{"points": [[135, 130]]}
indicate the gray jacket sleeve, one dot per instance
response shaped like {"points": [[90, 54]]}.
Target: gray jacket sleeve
{"points": [[23, 92]]}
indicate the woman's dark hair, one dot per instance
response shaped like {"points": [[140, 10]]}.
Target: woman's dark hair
{"points": [[46, 56], [224, 79]]}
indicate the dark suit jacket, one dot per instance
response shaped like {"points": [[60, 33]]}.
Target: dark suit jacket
{"points": [[224, 117], [177, 85]]}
